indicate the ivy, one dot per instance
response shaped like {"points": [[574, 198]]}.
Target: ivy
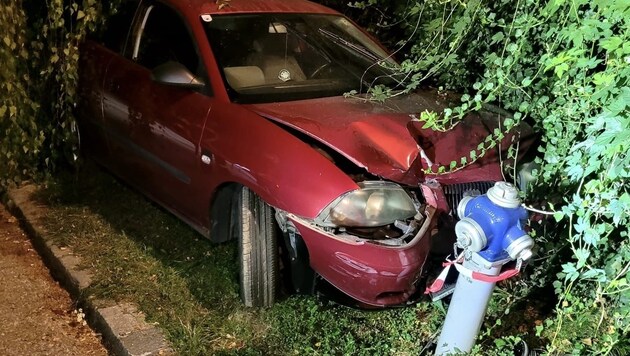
{"points": [[564, 67], [21, 138], [40, 53]]}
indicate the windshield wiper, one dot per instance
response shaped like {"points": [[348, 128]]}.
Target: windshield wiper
{"points": [[351, 45]]}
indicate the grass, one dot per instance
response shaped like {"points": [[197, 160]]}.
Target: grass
{"points": [[142, 254]]}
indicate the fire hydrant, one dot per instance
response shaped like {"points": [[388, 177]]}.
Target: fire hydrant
{"points": [[491, 234]]}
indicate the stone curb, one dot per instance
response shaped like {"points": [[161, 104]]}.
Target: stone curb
{"points": [[122, 326]]}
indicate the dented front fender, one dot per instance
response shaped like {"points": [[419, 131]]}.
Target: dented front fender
{"points": [[374, 274]]}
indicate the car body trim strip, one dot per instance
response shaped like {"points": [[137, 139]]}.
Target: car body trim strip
{"points": [[142, 152]]}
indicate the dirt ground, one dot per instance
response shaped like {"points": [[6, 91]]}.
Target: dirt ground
{"points": [[37, 316]]}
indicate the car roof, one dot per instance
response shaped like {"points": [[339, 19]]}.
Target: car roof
{"points": [[216, 7]]}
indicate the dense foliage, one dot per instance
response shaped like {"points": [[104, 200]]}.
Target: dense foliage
{"points": [[39, 51], [562, 66], [21, 141]]}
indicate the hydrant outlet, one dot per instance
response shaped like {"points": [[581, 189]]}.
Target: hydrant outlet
{"points": [[461, 207], [521, 248], [470, 235]]}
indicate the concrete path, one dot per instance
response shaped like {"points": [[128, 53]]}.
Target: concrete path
{"points": [[37, 316], [122, 326]]}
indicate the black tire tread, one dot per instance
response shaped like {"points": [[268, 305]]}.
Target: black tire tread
{"points": [[258, 251]]}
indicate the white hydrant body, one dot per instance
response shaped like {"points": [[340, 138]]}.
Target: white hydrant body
{"points": [[467, 309]]}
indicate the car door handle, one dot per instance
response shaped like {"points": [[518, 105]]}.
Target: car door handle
{"points": [[206, 157]]}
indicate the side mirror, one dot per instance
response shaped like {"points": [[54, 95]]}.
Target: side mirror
{"points": [[175, 74]]}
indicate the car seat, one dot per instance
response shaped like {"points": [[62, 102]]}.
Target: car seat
{"points": [[272, 55]]}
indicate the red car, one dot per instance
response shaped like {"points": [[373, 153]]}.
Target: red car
{"points": [[231, 115]]}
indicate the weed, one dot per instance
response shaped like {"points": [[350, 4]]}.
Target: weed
{"points": [[187, 285]]}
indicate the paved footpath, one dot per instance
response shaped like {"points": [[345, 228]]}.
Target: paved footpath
{"points": [[37, 316]]}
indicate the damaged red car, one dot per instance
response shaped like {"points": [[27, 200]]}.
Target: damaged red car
{"points": [[232, 116]]}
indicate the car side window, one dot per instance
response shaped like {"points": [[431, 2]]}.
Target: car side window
{"points": [[117, 27], [163, 37]]}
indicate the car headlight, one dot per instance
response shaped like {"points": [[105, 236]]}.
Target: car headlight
{"points": [[374, 204]]}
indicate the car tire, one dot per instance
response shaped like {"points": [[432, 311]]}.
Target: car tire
{"points": [[258, 251]]}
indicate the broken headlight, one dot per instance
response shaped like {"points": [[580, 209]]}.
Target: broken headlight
{"points": [[376, 203]]}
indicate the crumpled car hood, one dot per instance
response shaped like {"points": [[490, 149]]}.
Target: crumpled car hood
{"points": [[382, 137]]}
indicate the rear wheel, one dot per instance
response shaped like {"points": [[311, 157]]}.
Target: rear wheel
{"points": [[258, 251]]}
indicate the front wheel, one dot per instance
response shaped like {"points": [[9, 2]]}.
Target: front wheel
{"points": [[258, 251]]}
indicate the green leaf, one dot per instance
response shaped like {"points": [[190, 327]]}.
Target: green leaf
{"points": [[582, 255], [509, 123], [561, 69], [570, 271], [512, 47], [603, 79], [558, 216], [498, 37], [611, 43]]}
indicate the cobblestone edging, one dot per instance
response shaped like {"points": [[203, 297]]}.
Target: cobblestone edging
{"points": [[122, 326]]}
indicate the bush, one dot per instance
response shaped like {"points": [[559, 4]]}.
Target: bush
{"points": [[21, 139], [40, 53], [564, 66]]}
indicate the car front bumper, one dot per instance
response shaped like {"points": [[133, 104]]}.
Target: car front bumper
{"points": [[374, 274]]}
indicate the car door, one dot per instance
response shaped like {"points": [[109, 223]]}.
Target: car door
{"points": [[95, 55], [155, 128]]}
